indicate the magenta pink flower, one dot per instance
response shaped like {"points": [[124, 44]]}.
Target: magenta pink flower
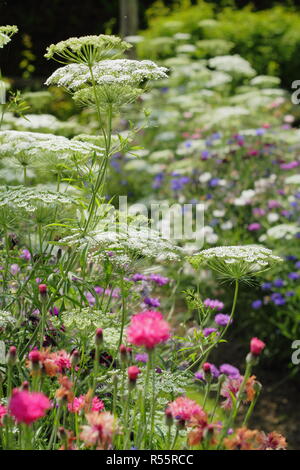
{"points": [[148, 329], [256, 346], [27, 407], [254, 226], [3, 412], [184, 409]]}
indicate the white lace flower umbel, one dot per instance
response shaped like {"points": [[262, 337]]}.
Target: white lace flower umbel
{"points": [[236, 262]]}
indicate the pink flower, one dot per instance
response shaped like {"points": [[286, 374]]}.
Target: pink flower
{"points": [[3, 412], [100, 430], [256, 346], [184, 409], [230, 389], [214, 304], [148, 329], [27, 407], [62, 360], [133, 373], [25, 255], [253, 227], [15, 269], [81, 402]]}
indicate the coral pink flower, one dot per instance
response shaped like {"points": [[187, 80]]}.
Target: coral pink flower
{"points": [[27, 407], [3, 412], [100, 430], [81, 402], [184, 409], [256, 346], [148, 329]]}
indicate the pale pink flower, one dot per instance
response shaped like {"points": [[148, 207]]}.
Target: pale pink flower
{"points": [[27, 407], [148, 329], [230, 389], [100, 430]]}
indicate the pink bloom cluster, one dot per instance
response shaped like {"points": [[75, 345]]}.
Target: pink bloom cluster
{"points": [[27, 407], [148, 329], [214, 304], [184, 409], [81, 402]]}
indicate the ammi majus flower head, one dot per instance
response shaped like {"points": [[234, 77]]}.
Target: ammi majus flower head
{"points": [[240, 263], [108, 82], [6, 32], [87, 49]]}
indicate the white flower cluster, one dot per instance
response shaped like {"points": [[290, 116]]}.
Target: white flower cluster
{"points": [[6, 319], [43, 123], [128, 241], [5, 34], [29, 199], [286, 231], [14, 143], [107, 72], [256, 256], [233, 64], [4, 39], [87, 49]]}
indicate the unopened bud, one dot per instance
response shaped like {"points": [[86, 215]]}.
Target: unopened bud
{"points": [[43, 290], [75, 358], [99, 337], [12, 356], [169, 418]]}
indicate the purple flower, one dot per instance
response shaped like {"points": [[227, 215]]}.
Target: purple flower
{"points": [[25, 255], [158, 279], [294, 276], [208, 331], [139, 277], [214, 182], [266, 286], [142, 357], [289, 293], [222, 319], [199, 376], [230, 371], [152, 302], [278, 283], [90, 298], [54, 311], [256, 304]]}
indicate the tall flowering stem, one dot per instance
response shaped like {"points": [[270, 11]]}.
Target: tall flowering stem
{"points": [[207, 351]]}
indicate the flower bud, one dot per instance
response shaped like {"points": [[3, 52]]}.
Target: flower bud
{"points": [[43, 290], [25, 385], [168, 418], [12, 356], [99, 337], [123, 352], [256, 346], [75, 358], [133, 373]]}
